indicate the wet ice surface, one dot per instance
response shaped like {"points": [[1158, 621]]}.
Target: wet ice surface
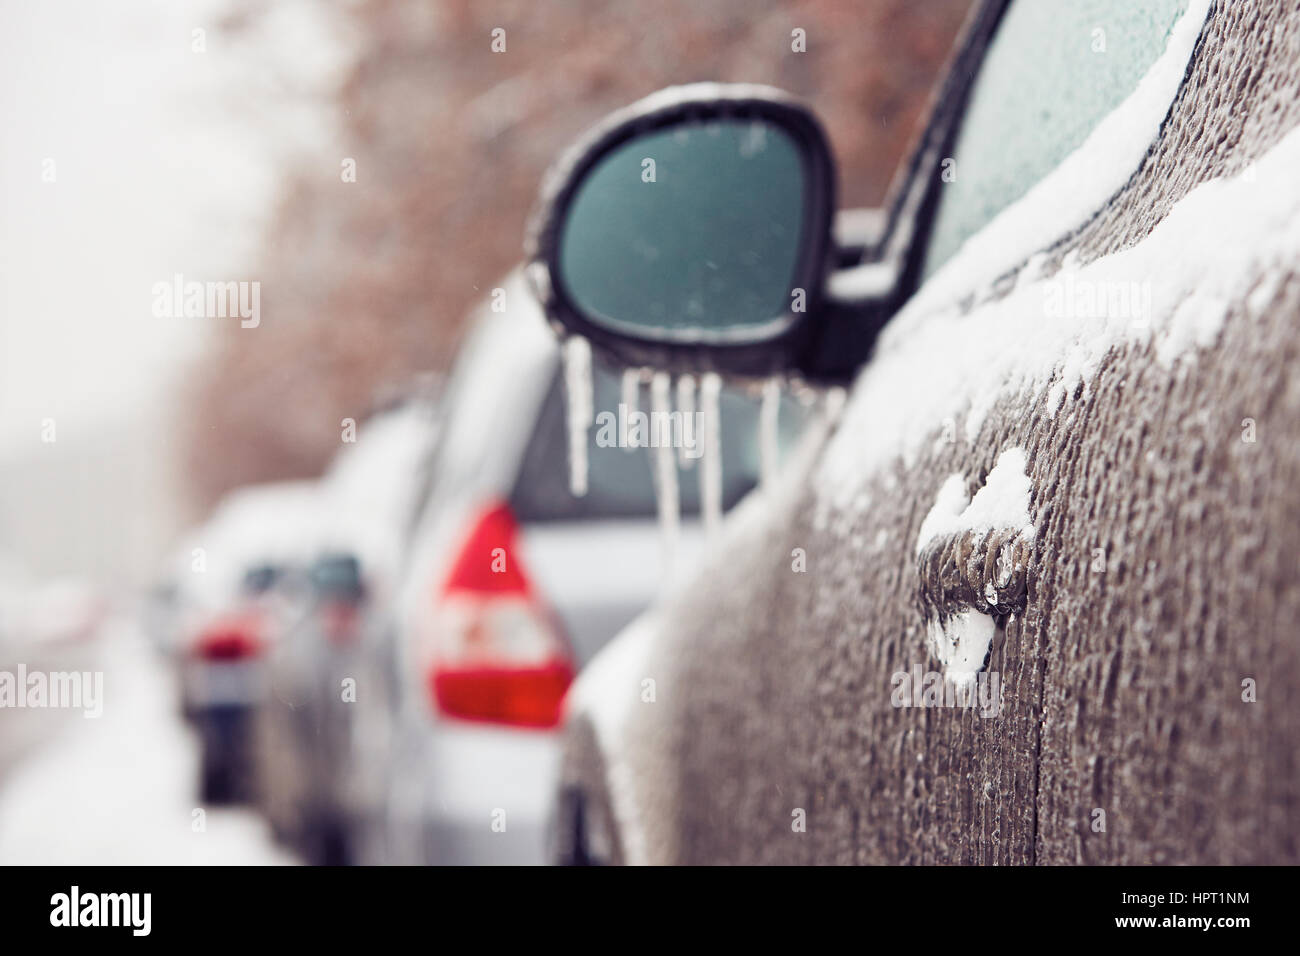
{"points": [[120, 789]]}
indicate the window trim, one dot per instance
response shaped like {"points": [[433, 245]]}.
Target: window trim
{"points": [[849, 330]]}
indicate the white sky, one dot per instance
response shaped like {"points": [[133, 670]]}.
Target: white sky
{"points": [[167, 161], [158, 172]]}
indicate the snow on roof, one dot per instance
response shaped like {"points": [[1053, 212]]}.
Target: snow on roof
{"points": [[370, 488], [270, 523]]}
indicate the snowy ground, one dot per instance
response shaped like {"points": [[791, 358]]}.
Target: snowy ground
{"points": [[119, 789]]}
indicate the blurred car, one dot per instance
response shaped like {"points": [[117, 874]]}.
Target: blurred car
{"points": [[306, 729], [235, 585], [513, 583], [223, 681], [1045, 502]]}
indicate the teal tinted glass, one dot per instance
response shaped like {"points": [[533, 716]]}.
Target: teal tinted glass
{"points": [[1052, 72], [696, 228]]}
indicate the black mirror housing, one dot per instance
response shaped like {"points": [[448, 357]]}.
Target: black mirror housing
{"points": [[765, 346]]}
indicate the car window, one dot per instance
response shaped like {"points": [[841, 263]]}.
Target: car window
{"points": [[337, 576], [620, 481], [501, 367], [1051, 73]]}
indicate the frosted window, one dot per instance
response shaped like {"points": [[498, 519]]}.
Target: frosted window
{"points": [[1053, 71]]}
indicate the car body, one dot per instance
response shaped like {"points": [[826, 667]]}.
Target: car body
{"points": [[304, 726], [305, 730], [236, 586], [1028, 481], [462, 731]]}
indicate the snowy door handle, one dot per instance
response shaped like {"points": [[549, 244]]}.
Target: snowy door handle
{"points": [[972, 559]]}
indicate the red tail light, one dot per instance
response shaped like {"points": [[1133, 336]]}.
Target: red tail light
{"points": [[230, 639], [498, 655]]}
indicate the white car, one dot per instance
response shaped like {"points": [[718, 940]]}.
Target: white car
{"points": [[233, 593], [512, 584]]}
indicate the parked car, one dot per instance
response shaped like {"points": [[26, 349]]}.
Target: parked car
{"points": [[306, 730], [303, 729], [1047, 613], [513, 583], [237, 586]]}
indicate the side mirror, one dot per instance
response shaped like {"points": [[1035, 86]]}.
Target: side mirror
{"points": [[691, 231]]}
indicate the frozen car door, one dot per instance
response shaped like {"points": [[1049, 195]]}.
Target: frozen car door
{"points": [[1051, 472]]}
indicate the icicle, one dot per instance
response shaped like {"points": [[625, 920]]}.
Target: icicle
{"points": [[578, 388], [711, 460], [836, 397], [689, 449], [768, 419], [665, 470], [631, 401]]}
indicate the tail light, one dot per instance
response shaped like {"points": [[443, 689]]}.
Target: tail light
{"points": [[230, 639], [498, 654]]}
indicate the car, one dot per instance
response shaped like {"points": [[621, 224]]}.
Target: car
{"points": [[1045, 609], [305, 733], [303, 728], [235, 586], [514, 581]]}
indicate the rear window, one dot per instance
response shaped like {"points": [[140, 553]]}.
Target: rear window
{"points": [[621, 480], [337, 576]]}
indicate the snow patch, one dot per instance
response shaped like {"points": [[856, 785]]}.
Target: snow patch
{"points": [[1221, 244], [1003, 502], [119, 791], [961, 643]]}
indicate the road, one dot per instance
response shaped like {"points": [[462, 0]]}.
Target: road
{"points": [[118, 789]]}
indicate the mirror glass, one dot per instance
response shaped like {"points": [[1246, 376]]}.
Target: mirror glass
{"points": [[693, 230]]}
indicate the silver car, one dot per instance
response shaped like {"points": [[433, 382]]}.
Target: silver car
{"points": [[512, 584]]}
